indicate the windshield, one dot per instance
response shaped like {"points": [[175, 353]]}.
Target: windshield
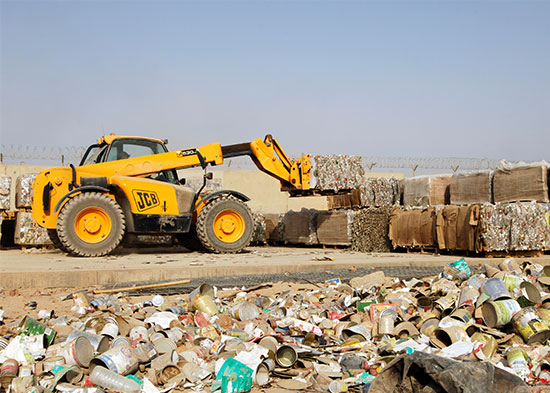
{"points": [[93, 155]]}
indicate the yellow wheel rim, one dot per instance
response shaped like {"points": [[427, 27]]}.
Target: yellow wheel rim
{"points": [[92, 225], [228, 226]]}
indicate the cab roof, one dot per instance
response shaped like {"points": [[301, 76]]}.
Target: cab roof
{"points": [[108, 139]]}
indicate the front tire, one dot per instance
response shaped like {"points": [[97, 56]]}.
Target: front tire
{"points": [[225, 225], [52, 234], [90, 225]]}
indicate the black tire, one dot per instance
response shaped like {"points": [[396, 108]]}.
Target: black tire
{"points": [[207, 217], [190, 240], [52, 234], [104, 206]]}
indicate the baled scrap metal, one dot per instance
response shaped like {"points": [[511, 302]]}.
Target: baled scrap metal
{"points": [[338, 172], [380, 191], [5, 189], [335, 227], [426, 190], [546, 207], [27, 232], [494, 228], [469, 188], [299, 227], [23, 190], [370, 230], [521, 182], [328, 336], [528, 229], [259, 236]]}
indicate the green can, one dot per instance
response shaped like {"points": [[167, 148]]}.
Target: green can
{"points": [[31, 327]]}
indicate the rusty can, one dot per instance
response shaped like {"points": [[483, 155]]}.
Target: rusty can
{"points": [[8, 371], [531, 326]]}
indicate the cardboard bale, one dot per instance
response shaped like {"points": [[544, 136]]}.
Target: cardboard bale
{"points": [[273, 227], [28, 233], [299, 227], [469, 188], [334, 228], [370, 230], [413, 227], [426, 190], [259, 237], [457, 227], [521, 182], [23, 190], [5, 189], [344, 201], [338, 172]]}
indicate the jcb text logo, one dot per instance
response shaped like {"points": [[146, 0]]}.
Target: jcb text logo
{"points": [[145, 199]]}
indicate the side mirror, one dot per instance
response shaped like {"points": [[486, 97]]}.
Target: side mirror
{"points": [[209, 176], [182, 181]]}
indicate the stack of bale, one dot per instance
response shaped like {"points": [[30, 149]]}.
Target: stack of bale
{"points": [[518, 219], [27, 232], [5, 189], [468, 188]]}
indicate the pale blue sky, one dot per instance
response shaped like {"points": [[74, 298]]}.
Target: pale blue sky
{"points": [[461, 79]]}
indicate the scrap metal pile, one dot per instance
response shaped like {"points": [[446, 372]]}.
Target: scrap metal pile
{"points": [[291, 337]]}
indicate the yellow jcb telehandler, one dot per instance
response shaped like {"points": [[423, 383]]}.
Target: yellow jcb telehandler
{"points": [[129, 185]]}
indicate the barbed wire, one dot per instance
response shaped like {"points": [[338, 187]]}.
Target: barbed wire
{"points": [[41, 153], [73, 154]]}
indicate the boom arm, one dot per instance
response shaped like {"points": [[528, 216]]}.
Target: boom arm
{"points": [[270, 158]]}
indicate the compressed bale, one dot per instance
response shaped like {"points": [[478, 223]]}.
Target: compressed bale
{"points": [[469, 188], [494, 228], [370, 230], [426, 190], [5, 188], [299, 227], [466, 227], [28, 233], [528, 226], [546, 207], [273, 227], [426, 227], [338, 172], [334, 228], [521, 182], [379, 191], [23, 190], [413, 227], [259, 237]]}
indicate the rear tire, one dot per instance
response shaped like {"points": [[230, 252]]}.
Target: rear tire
{"points": [[225, 225], [90, 225]]}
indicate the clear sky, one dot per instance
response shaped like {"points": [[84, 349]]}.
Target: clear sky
{"points": [[422, 79]]}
